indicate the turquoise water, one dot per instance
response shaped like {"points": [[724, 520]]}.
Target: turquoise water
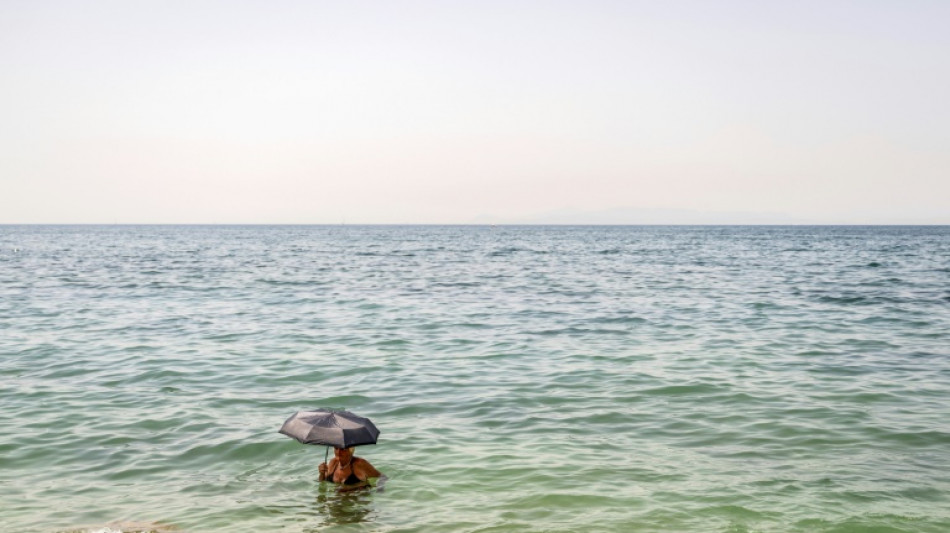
{"points": [[615, 379]]}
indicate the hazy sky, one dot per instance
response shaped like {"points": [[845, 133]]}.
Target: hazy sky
{"points": [[445, 112]]}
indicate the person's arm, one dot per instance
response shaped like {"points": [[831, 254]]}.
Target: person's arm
{"points": [[364, 470], [326, 470]]}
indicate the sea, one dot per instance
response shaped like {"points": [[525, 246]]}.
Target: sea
{"points": [[725, 379]]}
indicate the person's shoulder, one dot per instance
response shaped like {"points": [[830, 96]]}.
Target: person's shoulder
{"points": [[365, 466]]}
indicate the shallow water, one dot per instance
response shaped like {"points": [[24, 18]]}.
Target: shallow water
{"points": [[689, 379]]}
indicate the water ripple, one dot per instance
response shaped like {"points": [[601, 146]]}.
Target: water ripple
{"points": [[724, 379]]}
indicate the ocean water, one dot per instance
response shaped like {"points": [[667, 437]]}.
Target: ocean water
{"points": [[549, 379]]}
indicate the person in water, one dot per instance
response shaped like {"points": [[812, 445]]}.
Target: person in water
{"points": [[346, 469]]}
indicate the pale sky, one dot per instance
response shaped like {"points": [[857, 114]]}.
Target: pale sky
{"points": [[453, 112]]}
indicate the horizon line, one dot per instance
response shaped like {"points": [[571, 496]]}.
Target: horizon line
{"points": [[473, 224]]}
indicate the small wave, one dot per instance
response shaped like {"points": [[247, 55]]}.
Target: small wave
{"points": [[553, 501], [508, 250], [575, 331], [736, 512], [292, 283], [232, 450], [472, 325], [125, 527], [862, 300], [451, 284], [393, 342], [872, 522], [627, 319], [683, 390]]}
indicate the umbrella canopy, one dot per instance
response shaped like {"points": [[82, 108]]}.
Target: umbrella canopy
{"points": [[341, 429]]}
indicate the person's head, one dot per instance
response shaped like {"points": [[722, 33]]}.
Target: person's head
{"points": [[343, 454]]}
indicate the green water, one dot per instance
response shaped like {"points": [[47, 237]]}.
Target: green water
{"points": [[676, 379]]}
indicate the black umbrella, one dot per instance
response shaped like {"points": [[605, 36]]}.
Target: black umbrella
{"points": [[340, 429]]}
